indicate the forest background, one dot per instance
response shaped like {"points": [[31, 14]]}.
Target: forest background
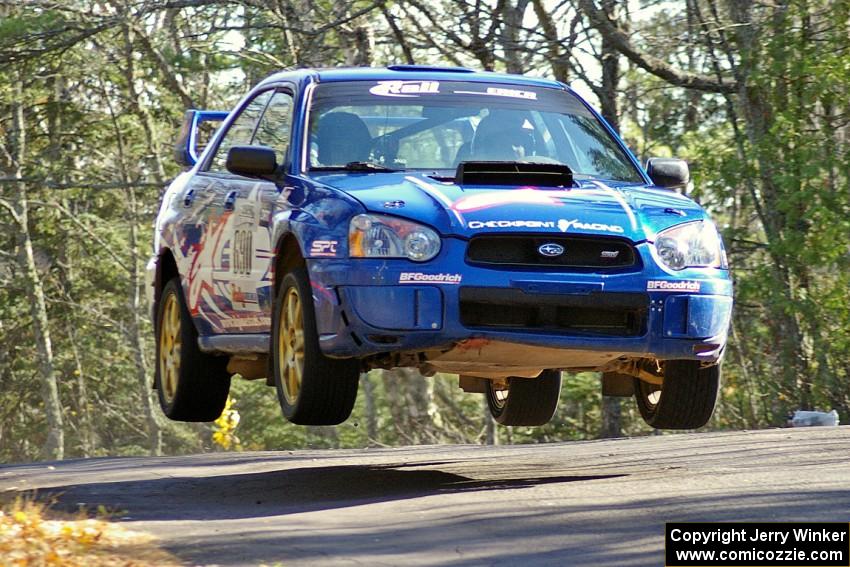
{"points": [[753, 93]]}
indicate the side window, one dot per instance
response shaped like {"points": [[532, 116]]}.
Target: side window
{"points": [[275, 125], [240, 131]]}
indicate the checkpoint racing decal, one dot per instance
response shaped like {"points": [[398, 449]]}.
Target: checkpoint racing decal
{"points": [[419, 277], [664, 285], [324, 248], [563, 225], [512, 224]]}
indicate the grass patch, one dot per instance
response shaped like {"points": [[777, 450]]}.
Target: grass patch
{"points": [[33, 535]]}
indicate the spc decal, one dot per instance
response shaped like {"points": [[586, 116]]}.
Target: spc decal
{"points": [[405, 89], [324, 248], [419, 277], [664, 285]]}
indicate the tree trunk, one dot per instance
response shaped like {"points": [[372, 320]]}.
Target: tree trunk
{"points": [[409, 395], [368, 389], [138, 305], [54, 445], [491, 433]]}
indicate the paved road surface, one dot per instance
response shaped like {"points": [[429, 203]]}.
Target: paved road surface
{"points": [[589, 503]]}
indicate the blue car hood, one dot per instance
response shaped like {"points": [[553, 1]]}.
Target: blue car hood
{"points": [[633, 211]]}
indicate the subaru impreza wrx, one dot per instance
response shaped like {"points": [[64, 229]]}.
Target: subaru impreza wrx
{"points": [[485, 225]]}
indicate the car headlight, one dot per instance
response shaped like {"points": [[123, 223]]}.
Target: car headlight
{"points": [[380, 236], [693, 244]]}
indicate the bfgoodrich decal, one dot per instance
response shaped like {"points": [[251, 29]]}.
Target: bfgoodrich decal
{"points": [[419, 277], [664, 285]]}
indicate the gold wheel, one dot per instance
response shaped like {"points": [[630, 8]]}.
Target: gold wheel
{"points": [[290, 338], [169, 347]]}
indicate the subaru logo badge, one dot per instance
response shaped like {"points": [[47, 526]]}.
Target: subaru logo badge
{"points": [[551, 249]]}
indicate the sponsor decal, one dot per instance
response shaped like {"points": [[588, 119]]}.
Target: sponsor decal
{"points": [[247, 211], [512, 224], [501, 91], [246, 322], [324, 248], [419, 277], [551, 249], [564, 225], [405, 89], [664, 285], [238, 295], [492, 199], [243, 251]]}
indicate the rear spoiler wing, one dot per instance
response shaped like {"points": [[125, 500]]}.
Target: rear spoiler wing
{"points": [[186, 148]]}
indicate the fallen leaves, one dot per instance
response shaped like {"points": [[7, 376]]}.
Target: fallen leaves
{"points": [[31, 536]]}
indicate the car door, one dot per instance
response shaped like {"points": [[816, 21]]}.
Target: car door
{"points": [[221, 262], [274, 130]]}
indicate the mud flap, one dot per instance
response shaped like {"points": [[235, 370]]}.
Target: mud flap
{"points": [[617, 385]]}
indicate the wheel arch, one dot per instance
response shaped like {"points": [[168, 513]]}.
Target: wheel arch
{"points": [[288, 255], [166, 268]]}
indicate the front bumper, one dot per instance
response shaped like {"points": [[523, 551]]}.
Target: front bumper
{"points": [[367, 307]]}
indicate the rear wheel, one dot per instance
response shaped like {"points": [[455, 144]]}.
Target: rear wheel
{"points": [[312, 389], [525, 401], [191, 385], [685, 401]]}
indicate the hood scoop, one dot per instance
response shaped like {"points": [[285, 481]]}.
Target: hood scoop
{"points": [[513, 173]]}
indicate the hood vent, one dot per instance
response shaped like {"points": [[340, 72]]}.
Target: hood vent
{"points": [[513, 173]]}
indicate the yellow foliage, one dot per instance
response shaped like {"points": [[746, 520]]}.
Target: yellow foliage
{"points": [[225, 426], [28, 538]]}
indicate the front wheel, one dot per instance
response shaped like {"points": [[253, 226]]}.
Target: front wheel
{"points": [[525, 401], [685, 401], [312, 389]]}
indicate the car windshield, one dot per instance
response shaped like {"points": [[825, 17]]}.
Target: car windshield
{"points": [[434, 125]]}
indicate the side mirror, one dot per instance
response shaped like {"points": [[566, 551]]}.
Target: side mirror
{"points": [[251, 161], [670, 173], [197, 130]]}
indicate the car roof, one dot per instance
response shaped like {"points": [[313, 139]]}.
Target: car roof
{"points": [[412, 73]]}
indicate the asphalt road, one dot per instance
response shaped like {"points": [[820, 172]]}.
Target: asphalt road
{"points": [[588, 503]]}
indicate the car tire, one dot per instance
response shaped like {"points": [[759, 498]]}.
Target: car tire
{"points": [[526, 401], [685, 401], [191, 385], [312, 388]]}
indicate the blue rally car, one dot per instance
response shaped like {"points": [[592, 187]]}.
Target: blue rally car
{"points": [[485, 225]]}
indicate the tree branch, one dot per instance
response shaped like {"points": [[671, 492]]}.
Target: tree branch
{"points": [[658, 67]]}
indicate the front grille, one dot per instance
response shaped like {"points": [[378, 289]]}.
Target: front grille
{"points": [[600, 313], [524, 251]]}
